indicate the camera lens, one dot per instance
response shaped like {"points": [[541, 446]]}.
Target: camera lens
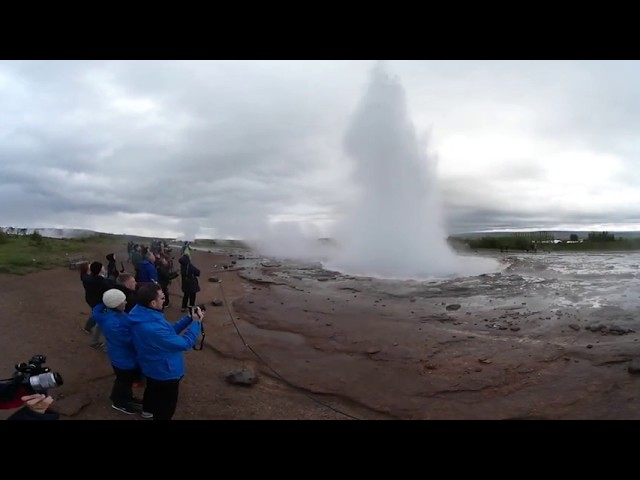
{"points": [[44, 381]]}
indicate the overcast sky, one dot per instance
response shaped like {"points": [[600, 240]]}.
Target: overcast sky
{"points": [[226, 148]]}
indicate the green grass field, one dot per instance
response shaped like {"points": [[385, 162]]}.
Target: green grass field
{"points": [[207, 243], [20, 255]]}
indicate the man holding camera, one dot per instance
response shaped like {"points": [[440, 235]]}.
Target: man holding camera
{"points": [[160, 349], [35, 407]]}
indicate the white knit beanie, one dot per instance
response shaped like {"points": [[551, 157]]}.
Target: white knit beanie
{"points": [[113, 298]]}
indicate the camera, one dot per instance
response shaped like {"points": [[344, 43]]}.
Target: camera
{"points": [[202, 307], [30, 377], [35, 377]]}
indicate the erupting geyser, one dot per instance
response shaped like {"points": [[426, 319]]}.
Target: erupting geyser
{"points": [[394, 229]]}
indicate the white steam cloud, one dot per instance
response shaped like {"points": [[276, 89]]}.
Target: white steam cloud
{"points": [[394, 229]]}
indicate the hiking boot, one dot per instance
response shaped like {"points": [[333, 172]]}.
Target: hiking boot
{"points": [[96, 346], [126, 409]]}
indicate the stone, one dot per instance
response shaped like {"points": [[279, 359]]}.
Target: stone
{"points": [[72, 404], [242, 377], [634, 368]]}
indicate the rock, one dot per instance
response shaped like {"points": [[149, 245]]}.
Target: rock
{"points": [[634, 368], [373, 350], [575, 326], [217, 303], [619, 331], [71, 405], [453, 306], [241, 377], [214, 279]]}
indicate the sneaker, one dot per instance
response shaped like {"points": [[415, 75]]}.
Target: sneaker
{"points": [[146, 414], [88, 332], [124, 409]]}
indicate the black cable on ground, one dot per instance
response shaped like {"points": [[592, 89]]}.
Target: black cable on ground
{"points": [[264, 362]]}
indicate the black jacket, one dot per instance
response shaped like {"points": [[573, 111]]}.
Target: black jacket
{"points": [[189, 274], [94, 287], [112, 270], [131, 297]]}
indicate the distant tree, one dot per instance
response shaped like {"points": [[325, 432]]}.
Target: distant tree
{"points": [[521, 243], [36, 238], [22, 231], [601, 237], [573, 237], [11, 230]]}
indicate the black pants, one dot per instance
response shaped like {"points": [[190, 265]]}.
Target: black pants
{"points": [[161, 398], [188, 297], [122, 392], [165, 290]]}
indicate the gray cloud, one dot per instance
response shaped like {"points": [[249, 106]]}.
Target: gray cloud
{"points": [[194, 147]]}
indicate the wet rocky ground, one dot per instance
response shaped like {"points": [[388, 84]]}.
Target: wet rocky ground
{"points": [[523, 343]]}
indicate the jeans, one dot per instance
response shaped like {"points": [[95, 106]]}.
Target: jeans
{"points": [[90, 323], [190, 298], [97, 331], [122, 392]]}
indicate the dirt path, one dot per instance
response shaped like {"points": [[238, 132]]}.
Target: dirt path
{"points": [[43, 313]]}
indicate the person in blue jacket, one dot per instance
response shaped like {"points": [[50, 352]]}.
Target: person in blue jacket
{"points": [[147, 271], [160, 349], [114, 322]]}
